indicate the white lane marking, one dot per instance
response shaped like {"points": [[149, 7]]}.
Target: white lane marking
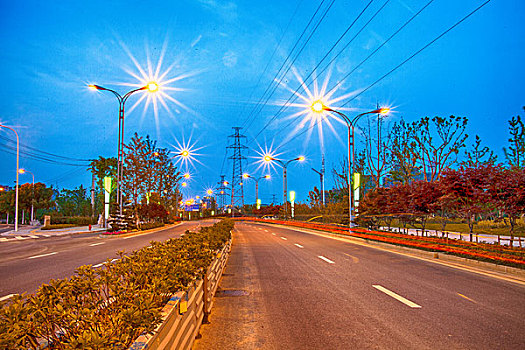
{"points": [[46, 235], [94, 244], [2, 239], [326, 259], [98, 265], [396, 296], [284, 238], [42, 255], [298, 245], [113, 260], [33, 236], [20, 238], [128, 237], [265, 230], [273, 233], [7, 297]]}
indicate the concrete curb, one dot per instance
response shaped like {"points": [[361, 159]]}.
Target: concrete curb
{"points": [[507, 273]]}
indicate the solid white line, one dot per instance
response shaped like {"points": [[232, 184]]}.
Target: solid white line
{"points": [[128, 237], [298, 245], [46, 235], [94, 244], [41, 256], [98, 265], [20, 238], [284, 238], [7, 297], [114, 260], [326, 259], [33, 236], [396, 296]]}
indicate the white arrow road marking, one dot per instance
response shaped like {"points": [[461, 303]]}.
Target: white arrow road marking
{"points": [[298, 245], [396, 296], [42, 255], [326, 259]]}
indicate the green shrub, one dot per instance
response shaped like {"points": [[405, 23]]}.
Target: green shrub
{"points": [[56, 227], [150, 225], [74, 220], [109, 307]]}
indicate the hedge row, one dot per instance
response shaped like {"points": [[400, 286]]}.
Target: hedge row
{"points": [[109, 307], [74, 220]]}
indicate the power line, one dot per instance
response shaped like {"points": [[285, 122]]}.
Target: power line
{"points": [[286, 104], [401, 64]]}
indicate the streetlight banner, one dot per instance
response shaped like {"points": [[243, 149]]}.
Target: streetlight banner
{"points": [[292, 196], [357, 181], [258, 204], [107, 192]]}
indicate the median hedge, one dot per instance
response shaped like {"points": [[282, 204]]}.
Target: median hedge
{"points": [[111, 306]]}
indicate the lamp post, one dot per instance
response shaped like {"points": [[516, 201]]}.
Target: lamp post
{"points": [[321, 175], [23, 171], [256, 179], [284, 165], [319, 107], [17, 169], [151, 87]]}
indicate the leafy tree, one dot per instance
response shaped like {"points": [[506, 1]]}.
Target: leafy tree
{"points": [[515, 154], [478, 155], [439, 141], [404, 153], [377, 152], [75, 202]]}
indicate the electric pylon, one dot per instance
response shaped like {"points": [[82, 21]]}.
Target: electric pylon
{"points": [[237, 194], [221, 192]]}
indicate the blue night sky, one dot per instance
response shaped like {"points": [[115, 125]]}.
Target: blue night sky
{"points": [[219, 58]]}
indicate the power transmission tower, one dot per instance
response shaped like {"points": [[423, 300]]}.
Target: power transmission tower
{"points": [[221, 192], [274, 199], [237, 194]]}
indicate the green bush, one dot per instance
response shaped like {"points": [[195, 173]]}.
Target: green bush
{"points": [[56, 227], [150, 225], [109, 307], [74, 220]]}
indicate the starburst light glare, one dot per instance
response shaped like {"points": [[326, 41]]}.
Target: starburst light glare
{"points": [[209, 192], [267, 176], [317, 106], [384, 111], [153, 86], [245, 175], [184, 184], [187, 175], [301, 158]]}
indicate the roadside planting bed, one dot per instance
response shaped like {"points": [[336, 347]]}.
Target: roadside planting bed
{"points": [[109, 307], [504, 255]]}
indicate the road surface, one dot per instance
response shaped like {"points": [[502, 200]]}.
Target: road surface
{"points": [[284, 289]]}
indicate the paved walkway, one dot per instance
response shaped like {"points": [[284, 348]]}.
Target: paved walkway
{"points": [[27, 230], [482, 238]]}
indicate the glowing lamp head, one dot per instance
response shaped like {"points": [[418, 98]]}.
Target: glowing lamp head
{"points": [[22, 171], [268, 158], [185, 153], [384, 111], [317, 106], [187, 175], [93, 87], [245, 176], [301, 159], [222, 192], [184, 184], [266, 176], [152, 86], [225, 183], [209, 192]]}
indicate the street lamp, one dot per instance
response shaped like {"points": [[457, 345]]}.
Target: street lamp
{"points": [[319, 107], [268, 158], [256, 179], [23, 171], [150, 87], [17, 168]]}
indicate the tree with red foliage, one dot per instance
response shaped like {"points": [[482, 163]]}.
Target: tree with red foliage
{"points": [[507, 189], [422, 197], [465, 192]]}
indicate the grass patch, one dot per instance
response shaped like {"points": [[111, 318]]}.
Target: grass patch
{"points": [[483, 228]]}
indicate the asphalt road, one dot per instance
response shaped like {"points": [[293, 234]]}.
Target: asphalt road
{"points": [[284, 289], [28, 263]]}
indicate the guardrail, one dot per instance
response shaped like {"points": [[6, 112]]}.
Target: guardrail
{"points": [[186, 310]]}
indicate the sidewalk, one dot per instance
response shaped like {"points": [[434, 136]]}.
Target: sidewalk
{"points": [[481, 238], [36, 231]]}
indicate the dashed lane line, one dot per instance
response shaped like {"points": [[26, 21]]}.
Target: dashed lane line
{"points": [[21, 238], [354, 258], [42, 255], [273, 233], [284, 238], [8, 296], [298, 245], [95, 244], [98, 265], [465, 297], [326, 259], [397, 296]]}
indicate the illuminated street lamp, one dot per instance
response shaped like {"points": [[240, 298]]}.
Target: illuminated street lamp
{"points": [[150, 87], [23, 171], [268, 158], [256, 179], [319, 107], [17, 169]]}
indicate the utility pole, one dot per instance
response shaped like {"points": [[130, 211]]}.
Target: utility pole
{"points": [[321, 174], [237, 195], [221, 192]]}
